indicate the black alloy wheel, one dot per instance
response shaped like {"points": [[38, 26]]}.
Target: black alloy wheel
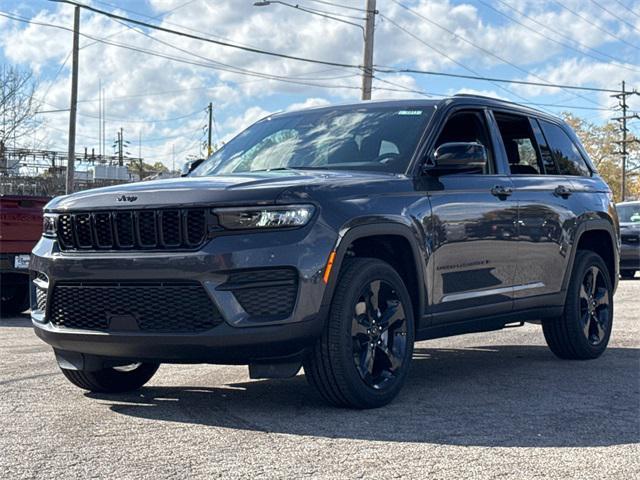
{"points": [[379, 334], [594, 306]]}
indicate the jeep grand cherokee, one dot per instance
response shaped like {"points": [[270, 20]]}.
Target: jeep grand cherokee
{"points": [[334, 238]]}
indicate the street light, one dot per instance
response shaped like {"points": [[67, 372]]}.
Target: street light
{"points": [[367, 33]]}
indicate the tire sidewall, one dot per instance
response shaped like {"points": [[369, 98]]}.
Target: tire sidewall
{"points": [[585, 261], [375, 270]]}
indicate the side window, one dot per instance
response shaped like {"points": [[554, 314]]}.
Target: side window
{"points": [[549, 163], [567, 155], [468, 127], [520, 144]]}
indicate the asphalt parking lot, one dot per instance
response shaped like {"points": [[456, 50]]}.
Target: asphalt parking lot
{"points": [[494, 405]]}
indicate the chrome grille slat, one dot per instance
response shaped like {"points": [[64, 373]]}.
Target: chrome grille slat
{"points": [[143, 229]]}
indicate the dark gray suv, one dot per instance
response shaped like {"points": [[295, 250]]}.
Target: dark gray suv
{"points": [[334, 238]]}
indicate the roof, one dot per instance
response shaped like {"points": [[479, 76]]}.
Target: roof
{"points": [[467, 99]]}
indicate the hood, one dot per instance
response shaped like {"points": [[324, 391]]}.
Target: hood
{"points": [[245, 189]]}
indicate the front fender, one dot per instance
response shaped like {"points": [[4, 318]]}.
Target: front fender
{"points": [[376, 226]]}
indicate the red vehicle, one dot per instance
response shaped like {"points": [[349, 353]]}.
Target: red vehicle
{"points": [[20, 229]]}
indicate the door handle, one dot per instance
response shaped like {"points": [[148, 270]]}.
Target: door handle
{"points": [[562, 191], [501, 191]]}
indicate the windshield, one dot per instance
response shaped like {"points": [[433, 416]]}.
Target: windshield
{"points": [[362, 138], [629, 212]]}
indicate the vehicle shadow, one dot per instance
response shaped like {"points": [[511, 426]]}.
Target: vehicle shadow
{"points": [[16, 320], [485, 396]]}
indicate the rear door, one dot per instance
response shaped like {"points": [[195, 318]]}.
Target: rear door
{"points": [[543, 195]]}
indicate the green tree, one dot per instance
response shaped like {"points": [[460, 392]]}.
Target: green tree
{"points": [[602, 144]]}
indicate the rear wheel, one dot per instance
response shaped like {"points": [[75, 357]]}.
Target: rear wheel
{"points": [[363, 356], [113, 379], [583, 331], [627, 274]]}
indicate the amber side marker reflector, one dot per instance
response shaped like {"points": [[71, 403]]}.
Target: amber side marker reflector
{"points": [[327, 270]]}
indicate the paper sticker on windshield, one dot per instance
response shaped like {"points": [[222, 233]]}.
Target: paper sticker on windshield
{"points": [[410, 112]]}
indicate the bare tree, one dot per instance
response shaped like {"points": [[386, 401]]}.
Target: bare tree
{"points": [[18, 107]]}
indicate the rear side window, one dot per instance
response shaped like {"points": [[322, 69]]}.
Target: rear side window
{"points": [[549, 163], [519, 144], [566, 153]]}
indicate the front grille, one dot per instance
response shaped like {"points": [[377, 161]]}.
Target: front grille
{"points": [[154, 307], [630, 239], [267, 293], [134, 229]]}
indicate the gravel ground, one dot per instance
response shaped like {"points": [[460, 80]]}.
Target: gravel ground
{"points": [[493, 405]]}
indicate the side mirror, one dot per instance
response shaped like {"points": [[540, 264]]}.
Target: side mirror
{"points": [[190, 166], [457, 156]]}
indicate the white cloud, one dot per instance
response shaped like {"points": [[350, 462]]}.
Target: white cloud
{"points": [[239, 99]]}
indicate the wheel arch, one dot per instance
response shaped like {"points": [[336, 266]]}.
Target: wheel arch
{"points": [[599, 236], [374, 240]]}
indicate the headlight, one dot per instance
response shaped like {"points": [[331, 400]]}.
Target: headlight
{"points": [[265, 217], [49, 224]]}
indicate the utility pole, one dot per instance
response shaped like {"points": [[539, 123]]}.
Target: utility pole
{"points": [[367, 62], [71, 155], [622, 101], [121, 147], [100, 116], [209, 132]]}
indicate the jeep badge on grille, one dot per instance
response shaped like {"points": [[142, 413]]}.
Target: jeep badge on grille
{"points": [[127, 198]]}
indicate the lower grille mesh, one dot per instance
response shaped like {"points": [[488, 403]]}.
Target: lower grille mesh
{"points": [[155, 307], [265, 293]]}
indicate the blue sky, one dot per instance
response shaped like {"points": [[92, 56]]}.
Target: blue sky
{"points": [[163, 101]]}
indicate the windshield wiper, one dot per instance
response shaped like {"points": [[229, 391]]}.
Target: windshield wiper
{"points": [[293, 168]]}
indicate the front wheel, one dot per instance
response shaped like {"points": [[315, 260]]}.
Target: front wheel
{"points": [[363, 356], [112, 379], [583, 331]]}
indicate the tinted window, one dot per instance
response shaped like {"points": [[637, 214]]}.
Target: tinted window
{"points": [[519, 144], [629, 212], [548, 162], [467, 127], [361, 138], [566, 153]]}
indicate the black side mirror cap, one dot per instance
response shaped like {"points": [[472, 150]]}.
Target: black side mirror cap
{"points": [[457, 156], [190, 166]]}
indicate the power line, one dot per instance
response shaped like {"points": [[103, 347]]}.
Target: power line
{"points": [[474, 45], [208, 40], [616, 61], [236, 70], [604, 30], [411, 34], [627, 8], [633, 27], [382, 69], [492, 79], [346, 7]]}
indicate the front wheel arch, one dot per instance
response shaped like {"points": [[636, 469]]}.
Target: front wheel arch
{"points": [[376, 230]]}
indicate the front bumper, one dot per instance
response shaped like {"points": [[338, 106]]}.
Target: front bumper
{"points": [[240, 338], [629, 257]]}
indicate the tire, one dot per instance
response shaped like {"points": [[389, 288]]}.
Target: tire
{"points": [[627, 274], [359, 362], [14, 294], [112, 380], [584, 329]]}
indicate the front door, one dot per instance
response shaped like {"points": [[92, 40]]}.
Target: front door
{"points": [[472, 267]]}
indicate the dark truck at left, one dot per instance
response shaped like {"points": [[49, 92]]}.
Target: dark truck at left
{"points": [[20, 229]]}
